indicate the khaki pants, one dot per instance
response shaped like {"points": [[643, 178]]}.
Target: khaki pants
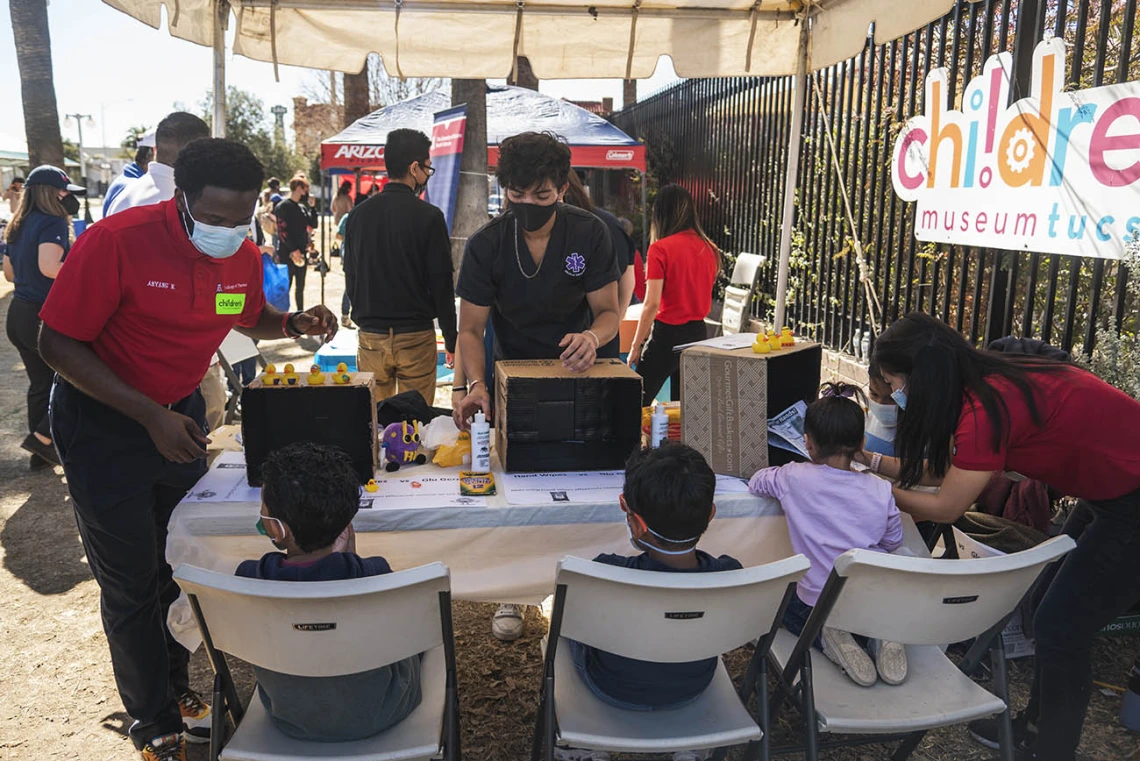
{"points": [[214, 392], [404, 359]]}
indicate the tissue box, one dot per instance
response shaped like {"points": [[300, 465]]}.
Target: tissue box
{"points": [[728, 396], [548, 419], [342, 416]]}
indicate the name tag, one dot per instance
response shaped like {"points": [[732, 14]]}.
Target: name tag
{"points": [[229, 303]]}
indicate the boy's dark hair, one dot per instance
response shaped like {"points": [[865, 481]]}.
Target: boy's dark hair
{"points": [[835, 420], [403, 148], [297, 182], [314, 489], [218, 163], [176, 131], [671, 488], [143, 155], [530, 159], [273, 183]]}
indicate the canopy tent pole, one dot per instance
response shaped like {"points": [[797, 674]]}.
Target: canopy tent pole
{"points": [[221, 14], [644, 218], [792, 177]]}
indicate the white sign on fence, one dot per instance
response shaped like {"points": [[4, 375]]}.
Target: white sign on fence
{"points": [[1055, 172]]}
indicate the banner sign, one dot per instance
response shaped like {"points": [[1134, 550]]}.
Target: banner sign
{"points": [[1055, 172], [446, 154]]}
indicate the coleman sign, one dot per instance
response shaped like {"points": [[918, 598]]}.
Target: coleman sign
{"points": [[1056, 172]]}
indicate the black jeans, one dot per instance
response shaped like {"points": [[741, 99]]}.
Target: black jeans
{"points": [[659, 361], [24, 333], [297, 283], [1090, 588], [124, 492]]}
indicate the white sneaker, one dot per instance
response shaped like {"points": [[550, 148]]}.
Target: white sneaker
{"points": [[508, 624], [580, 754], [890, 660], [842, 649], [693, 755]]}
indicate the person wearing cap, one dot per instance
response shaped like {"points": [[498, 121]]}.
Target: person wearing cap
{"points": [[130, 327], [174, 133], [131, 171], [38, 239]]}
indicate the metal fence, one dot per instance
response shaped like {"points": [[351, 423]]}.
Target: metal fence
{"points": [[726, 141]]}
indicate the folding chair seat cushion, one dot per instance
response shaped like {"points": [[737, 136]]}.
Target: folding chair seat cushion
{"points": [[934, 694], [715, 719], [416, 737]]}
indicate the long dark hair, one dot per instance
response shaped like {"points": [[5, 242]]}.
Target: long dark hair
{"points": [[576, 194], [941, 366], [674, 211]]}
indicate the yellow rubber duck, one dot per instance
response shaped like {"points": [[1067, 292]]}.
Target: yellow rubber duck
{"points": [[316, 377], [290, 376], [342, 376], [773, 340], [787, 337], [371, 487], [270, 377], [761, 345]]}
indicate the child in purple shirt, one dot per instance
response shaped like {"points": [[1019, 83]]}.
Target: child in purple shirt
{"points": [[832, 509]]}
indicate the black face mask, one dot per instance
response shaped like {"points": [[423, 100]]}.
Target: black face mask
{"points": [[70, 204], [532, 216]]}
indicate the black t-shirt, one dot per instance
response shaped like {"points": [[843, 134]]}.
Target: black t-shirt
{"points": [[623, 244], [293, 223], [532, 312]]}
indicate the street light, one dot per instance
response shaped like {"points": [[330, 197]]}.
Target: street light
{"points": [[79, 119]]}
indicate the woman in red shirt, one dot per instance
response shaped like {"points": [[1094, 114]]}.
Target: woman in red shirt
{"points": [[970, 414], [682, 268]]}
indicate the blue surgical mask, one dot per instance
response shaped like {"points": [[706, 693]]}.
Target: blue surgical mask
{"points": [[214, 241], [900, 398], [642, 546], [886, 414]]}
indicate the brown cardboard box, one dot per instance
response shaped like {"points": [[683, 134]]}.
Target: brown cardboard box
{"points": [[343, 416], [548, 419], [728, 396]]}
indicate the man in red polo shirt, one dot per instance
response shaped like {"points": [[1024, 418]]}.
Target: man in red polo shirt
{"points": [[131, 326]]}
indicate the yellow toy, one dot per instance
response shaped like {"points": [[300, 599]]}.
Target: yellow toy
{"points": [[371, 487], [316, 377], [342, 377], [761, 345], [773, 340], [290, 376], [787, 338], [270, 377]]}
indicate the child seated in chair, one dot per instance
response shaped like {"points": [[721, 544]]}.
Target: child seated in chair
{"points": [[882, 413], [831, 509], [308, 499], [668, 504]]}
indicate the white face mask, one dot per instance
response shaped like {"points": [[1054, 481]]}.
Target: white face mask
{"points": [[887, 414], [638, 545], [214, 241]]}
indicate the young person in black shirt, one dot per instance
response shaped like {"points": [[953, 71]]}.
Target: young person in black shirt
{"points": [[398, 273], [544, 273], [295, 215]]}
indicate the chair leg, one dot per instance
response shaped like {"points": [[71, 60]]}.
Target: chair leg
{"points": [[217, 719], [548, 718], [811, 723], [539, 730], [454, 751], [1001, 687], [902, 753], [762, 709]]}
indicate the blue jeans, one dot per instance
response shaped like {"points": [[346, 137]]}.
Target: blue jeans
{"points": [[578, 653], [796, 617]]}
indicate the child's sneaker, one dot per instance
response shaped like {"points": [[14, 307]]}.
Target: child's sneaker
{"points": [[842, 649], [890, 660], [580, 754], [165, 748], [508, 623], [196, 718]]}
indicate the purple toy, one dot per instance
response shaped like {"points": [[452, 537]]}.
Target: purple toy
{"points": [[402, 446]]}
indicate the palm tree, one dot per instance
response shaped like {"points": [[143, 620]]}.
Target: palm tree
{"points": [[33, 52]]}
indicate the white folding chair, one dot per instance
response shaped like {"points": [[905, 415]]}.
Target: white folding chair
{"points": [[662, 618], [923, 603], [328, 629], [738, 294], [236, 348]]}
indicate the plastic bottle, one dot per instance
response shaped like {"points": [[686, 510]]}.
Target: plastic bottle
{"points": [[480, 444], [857, 344], [865, 346], [658, 426]]}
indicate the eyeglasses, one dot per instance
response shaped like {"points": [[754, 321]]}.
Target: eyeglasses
{"points": [[429, 170]]}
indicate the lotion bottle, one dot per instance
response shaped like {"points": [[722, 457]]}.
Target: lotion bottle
{"points": [[480, 444]]}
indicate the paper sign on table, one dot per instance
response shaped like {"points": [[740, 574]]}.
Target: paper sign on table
{"points": [[557, 488], [225, 481], [432, 488], [729, 342]]}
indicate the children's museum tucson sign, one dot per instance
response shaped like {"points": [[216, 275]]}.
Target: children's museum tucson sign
{"points": [[1056, 172]]}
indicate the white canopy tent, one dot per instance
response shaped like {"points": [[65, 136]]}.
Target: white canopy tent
{"points": [[563, 39]]}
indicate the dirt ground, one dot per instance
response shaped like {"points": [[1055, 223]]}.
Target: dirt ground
{"points": [[57, 692]]}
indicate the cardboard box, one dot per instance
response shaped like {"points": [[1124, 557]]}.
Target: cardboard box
{"points": [[728, 396], [343, 416], [548, 419]]}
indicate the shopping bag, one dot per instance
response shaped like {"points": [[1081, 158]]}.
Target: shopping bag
{"points": [[275, 283]]}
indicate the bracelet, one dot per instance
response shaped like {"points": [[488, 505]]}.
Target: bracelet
{"points": [[471, 384], [876, 461], [459, 388], [597, 341], [285, 325]]}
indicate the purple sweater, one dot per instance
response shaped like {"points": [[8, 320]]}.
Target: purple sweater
{"points": [[829, 512]]}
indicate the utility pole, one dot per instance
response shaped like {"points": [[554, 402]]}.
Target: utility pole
{"points": [[82, 159]]}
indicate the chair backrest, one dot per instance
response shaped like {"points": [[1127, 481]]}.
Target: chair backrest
{"points": [[671, 617], [321, 628], [744, 272], [237, 347], [919, 601]]}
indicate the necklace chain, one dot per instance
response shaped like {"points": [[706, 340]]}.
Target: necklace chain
{"points": [[518, 258]]}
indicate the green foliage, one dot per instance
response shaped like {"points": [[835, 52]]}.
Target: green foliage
{"points": [[70, 150], [246, 123], [130, 143], [1116, 356]]}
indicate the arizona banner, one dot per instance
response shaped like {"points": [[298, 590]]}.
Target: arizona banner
{"points": [[446, 154], [1055, 172]]}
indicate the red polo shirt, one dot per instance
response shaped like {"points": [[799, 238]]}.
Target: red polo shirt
{"points": [[152, 306], [688, 266]]}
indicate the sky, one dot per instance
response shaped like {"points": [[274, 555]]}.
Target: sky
{"points": [[122, 73]]}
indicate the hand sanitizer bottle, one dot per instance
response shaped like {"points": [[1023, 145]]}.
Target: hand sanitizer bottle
{"points": [[480, 444]]}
